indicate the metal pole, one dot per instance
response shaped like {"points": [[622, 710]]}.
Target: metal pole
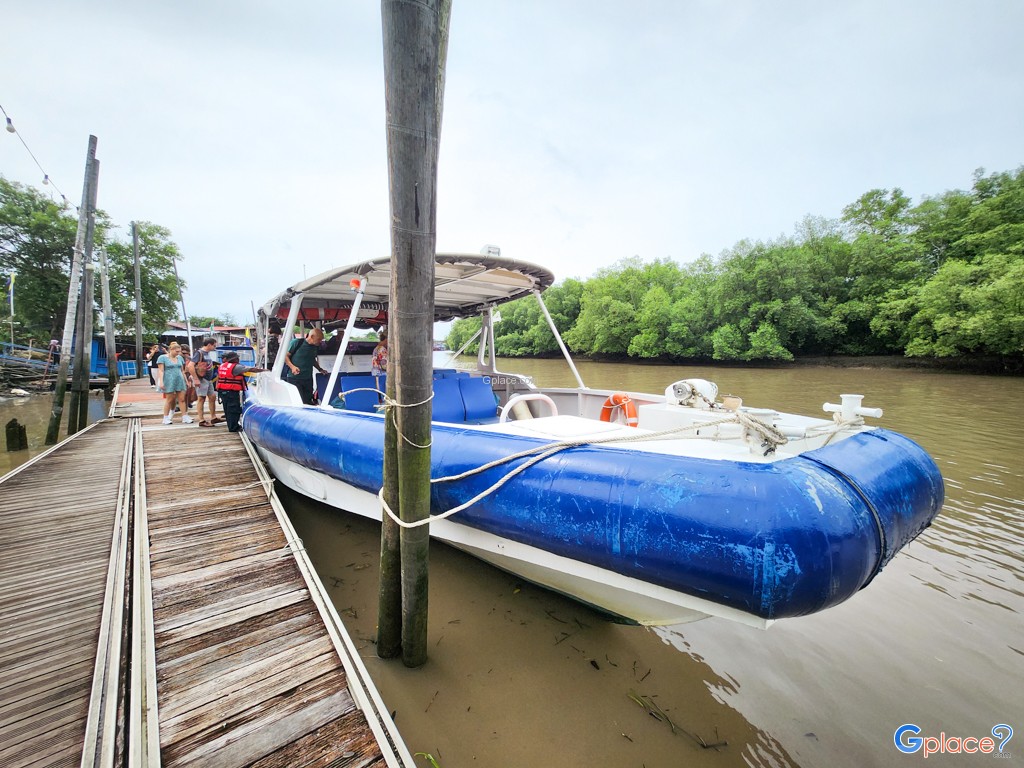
{"points": [[181, 295], [61, 385], [558, 338], [349, 326], [138, 301], [10, 278]]}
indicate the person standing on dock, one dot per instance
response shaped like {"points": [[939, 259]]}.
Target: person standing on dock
{"points": [[172, 383], [202, 369], [151, 357], [301, 359], [231, 384]]}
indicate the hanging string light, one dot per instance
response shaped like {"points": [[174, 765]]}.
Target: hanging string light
{"points": [[47, 181]]}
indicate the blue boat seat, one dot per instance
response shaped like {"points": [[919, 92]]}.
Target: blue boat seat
{"points": [[478, 400], [321, 387], [323, 378], [447, 404], [364, 400]]}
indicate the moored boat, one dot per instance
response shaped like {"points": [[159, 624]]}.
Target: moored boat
{"points": [[654, 508]]}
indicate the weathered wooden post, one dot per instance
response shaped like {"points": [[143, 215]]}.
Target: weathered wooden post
{"points": [[389, 614], [108, 326], [61, 385], [16, 435], [415, 47], [79, 416]]}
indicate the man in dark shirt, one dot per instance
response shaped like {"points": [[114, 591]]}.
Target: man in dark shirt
{"points": [[301, 360]]}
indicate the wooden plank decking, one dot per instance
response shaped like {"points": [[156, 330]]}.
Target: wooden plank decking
{"points": [[56, 527], [237, 658]]}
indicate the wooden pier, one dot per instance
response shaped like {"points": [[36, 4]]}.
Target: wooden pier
{"points": [[159, 610]]}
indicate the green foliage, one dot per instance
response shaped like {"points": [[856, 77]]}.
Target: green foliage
{"points": [[462, 331], [765, 344], [944, 278], [37, 239], [205, 321], [728, 343], [160, 296]]}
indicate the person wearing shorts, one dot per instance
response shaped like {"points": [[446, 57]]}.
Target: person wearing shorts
{"points": [[206, 392]]}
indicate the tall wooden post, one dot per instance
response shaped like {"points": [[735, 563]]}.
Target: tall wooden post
{"points": [[61, 385], [389, 615], [79, 417], [415, 48], [80, 384], [108, 325], [138, 301]]}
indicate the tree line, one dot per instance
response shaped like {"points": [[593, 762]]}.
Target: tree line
{"points": [[940, 279], [37, 239]]}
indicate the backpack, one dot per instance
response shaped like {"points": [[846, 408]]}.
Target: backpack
{"points": [[204, 370]]}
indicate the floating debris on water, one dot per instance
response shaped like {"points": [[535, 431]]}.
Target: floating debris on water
{"points": [[652, 708]]}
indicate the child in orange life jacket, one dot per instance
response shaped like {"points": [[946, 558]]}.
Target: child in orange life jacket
{"points": [[231, 384]]}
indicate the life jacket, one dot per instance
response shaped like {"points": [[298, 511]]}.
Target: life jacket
{"points": [[226, 380]]}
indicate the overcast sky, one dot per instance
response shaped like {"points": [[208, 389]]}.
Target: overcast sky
{"points": [[575, 133]]}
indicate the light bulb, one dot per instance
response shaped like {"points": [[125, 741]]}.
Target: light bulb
{"points": [[10, 126], [46, 178]]}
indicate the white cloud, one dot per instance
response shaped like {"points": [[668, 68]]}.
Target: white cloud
{"points": [[575, 134]]}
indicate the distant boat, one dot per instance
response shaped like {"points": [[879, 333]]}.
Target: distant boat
{"points": [[653, 508]]}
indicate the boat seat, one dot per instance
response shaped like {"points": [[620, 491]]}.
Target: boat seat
{"points": [[321, 387], [365, 401], [447, 404], [478, 400]]}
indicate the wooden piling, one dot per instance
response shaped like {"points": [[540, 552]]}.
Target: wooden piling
{"points": [[415, 47], [389, 621], [108, 325], [61, 385], [79, 416], [16, 435]]}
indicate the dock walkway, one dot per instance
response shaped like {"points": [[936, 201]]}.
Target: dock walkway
{"points": [[57, 519], [205, 611]]}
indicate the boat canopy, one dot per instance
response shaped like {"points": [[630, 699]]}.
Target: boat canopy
{"points": [[464, 286]]}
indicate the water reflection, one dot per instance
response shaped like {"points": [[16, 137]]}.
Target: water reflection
{"points": [[520, 676]]}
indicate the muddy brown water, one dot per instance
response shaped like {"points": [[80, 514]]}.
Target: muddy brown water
{"points": [[519, 676], [33, 413]]}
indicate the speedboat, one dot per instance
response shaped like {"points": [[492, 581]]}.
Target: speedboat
{"points": [[654, 508]]}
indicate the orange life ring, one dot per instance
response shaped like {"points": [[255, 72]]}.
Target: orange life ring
{"points": [[620, 400]]}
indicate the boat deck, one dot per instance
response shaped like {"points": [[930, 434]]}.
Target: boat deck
{"points": [[157, 602]]}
